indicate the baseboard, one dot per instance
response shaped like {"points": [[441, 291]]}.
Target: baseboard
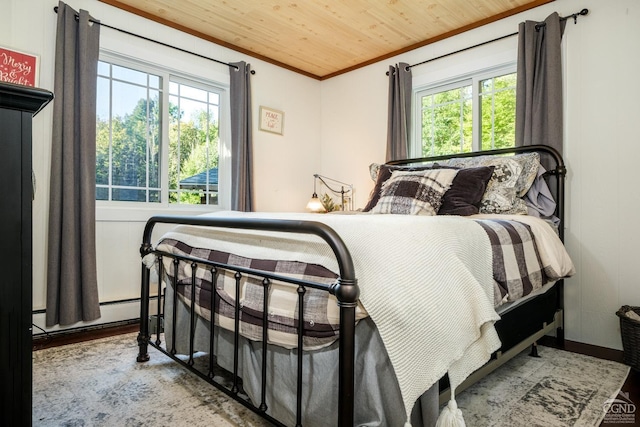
{"points": [[73, 336], [582, 348], [111, 313]]}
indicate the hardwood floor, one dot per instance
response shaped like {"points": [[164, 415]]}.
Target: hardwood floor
{"points": [[631, 385]]}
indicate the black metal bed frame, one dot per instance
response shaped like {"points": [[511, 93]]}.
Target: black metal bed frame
{"points": [[345, 289], [558, 172]]}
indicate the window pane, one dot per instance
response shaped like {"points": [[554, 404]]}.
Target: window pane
{"points": [[153, 147], [129, 75], [103, 68], [193, 93], [128, 136], [129, 144], [154, 81], [103, 132], [505, 82], [102, 193], [126, 99], [498, 107], [447, 96], [154, 196], [193, 144], [103, 98], [446, 121], [129, 195], [487, 121]]}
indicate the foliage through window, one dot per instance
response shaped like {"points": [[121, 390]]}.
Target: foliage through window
{"points": [[193, 144], [157, 137], [471, 114], [128, 134]]}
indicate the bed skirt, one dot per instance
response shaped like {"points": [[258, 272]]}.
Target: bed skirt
{"points": [[381, 405]]}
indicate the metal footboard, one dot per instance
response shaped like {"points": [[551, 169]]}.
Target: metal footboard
{"points": [[345, 290]]}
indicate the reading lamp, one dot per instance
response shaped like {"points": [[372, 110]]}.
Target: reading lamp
{"points": [[315, 205]]}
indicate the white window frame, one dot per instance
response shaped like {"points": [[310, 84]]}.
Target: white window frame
{"points": [[124, 210], [473, 78]]}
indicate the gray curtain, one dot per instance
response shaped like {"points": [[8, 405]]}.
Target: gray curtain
{"points": [[399, 121], [241, 138], [72, 290], [539, 83]]}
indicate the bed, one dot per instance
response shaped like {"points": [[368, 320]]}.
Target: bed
{"points": [[397, 302]]}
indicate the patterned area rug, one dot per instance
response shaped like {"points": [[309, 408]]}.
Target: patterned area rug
{"points": [[558, 389], [99, 383]]}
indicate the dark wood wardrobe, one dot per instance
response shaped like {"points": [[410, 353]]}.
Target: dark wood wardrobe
{"points": [[18, 105]]}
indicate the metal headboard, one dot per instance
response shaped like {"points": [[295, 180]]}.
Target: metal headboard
{"points": [[555, 168]]}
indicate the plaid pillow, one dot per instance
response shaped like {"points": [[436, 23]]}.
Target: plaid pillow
{"points": [[414, 193], [382, 174]]}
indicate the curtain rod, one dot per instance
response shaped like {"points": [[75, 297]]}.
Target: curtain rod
{"points": [[538, 26], [55, 9]]}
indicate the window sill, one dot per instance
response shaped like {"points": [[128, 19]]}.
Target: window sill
{"points": [[125, 212]]}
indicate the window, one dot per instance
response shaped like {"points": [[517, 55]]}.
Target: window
{"points": [[128, 134], [193, 144], [473, 113], [157, 136]]}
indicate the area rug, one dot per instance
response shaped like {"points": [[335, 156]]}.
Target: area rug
{"points": [[557, 389], [99, 383]]}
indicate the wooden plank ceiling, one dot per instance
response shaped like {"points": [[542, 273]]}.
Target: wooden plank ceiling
{"points": [[323, 38]]}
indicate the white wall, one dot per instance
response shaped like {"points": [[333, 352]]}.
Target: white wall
{"points": [[601, 143], [283, 164], [337, 128]]}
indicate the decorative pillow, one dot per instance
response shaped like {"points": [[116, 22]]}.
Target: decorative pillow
{"points": [[374, 169], [467, 189], [380, 174], [512, 177], [414, 192]]}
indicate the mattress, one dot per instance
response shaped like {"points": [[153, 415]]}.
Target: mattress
{"points": [[527, 258]]}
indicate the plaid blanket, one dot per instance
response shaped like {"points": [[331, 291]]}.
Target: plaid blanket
{"points": [[517, 268], [321, 312]]}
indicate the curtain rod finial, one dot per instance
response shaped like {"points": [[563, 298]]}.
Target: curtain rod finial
{"points": [[583, 12]]}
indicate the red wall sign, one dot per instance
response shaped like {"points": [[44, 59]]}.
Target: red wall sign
{"points": [[18, 67]]}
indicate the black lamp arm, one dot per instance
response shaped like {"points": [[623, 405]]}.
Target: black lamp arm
{"points": [[343, 191]]}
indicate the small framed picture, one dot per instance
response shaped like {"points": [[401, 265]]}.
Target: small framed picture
{"points": [[18, 67], [271, 120]]}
